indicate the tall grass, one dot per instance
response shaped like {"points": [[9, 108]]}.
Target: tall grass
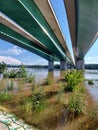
{"points": [[5, 96]]}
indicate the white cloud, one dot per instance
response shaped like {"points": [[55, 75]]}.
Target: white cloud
{"points": [[14, 51], [9, 60], [91, 60], [37, 62]]}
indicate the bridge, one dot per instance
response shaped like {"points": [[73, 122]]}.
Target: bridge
{"points": [[33, 25]]}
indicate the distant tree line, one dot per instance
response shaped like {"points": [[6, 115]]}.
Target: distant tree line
{"points": [[91, 66], [57, 66], [34, 66]]}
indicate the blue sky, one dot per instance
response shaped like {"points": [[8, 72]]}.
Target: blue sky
{"points": [[12, 54]]}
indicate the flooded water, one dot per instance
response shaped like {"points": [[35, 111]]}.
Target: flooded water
{"points": [[41, 74], [93, 89]]}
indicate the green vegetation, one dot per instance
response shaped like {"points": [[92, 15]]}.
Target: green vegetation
{"points": [[21, 73], [47, 105], [2, 67], [38, 101], [48, 81], [5, 96], [10, 85], [30, 78], [90, 82], [77, 105], [73, 79]]}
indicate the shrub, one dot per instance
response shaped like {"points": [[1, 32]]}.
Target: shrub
{"points": [[38, 101], [22, 72], [48, 81], [31, 78], [90, 82], [12, 74], [76, 105], [79, 89], [73, 78], [2, 67]]}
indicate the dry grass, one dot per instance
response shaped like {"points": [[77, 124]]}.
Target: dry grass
{"points": [[54, 116]]}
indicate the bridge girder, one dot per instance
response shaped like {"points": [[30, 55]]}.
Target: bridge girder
{"points": [[83, 23], [17, 39], [30, 19]]}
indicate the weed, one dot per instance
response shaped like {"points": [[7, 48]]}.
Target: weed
{"points": [[60, 92], [48, 81], [30, 78], [22, 72], [10, 85], [79, 89], [76, 105], [38, 101], [5, 96], [90, 82], [73, 78]]}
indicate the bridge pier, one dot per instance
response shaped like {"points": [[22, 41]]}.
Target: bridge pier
{"points": [[63, 65], [80, 64], [50, 66]]}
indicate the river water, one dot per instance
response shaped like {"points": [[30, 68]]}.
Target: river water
{"points": [[93, 89], [41, 74]]}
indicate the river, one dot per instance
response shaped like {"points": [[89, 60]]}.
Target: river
{"points": [[41, 74], [93, 89]]}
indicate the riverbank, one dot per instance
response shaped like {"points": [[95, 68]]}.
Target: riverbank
{"points": [[52, 111], [9, 121]]}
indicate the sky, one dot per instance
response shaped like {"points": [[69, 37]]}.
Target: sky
{"points": [[12, 54]]}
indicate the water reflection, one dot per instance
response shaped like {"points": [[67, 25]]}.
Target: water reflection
{"points": [[50, 76], [93, 89]]}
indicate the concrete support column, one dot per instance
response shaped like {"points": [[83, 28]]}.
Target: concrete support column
{"points": [[80, 64], [63, 65], [50, 65]]}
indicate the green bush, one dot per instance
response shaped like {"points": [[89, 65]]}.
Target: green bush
{"points": [[12, 74], [48, 81], [79, 89], [2, 67], [90, 82], [5, 96], [22, 73], [31, 78], [73, 79], [38, 101], [76, 105]]}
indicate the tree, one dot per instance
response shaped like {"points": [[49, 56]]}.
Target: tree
{"points": [[2, 67], [22, 73]]}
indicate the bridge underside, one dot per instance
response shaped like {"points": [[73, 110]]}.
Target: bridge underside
{"points": [[31, 25], [26, 23], [83, 24]]}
